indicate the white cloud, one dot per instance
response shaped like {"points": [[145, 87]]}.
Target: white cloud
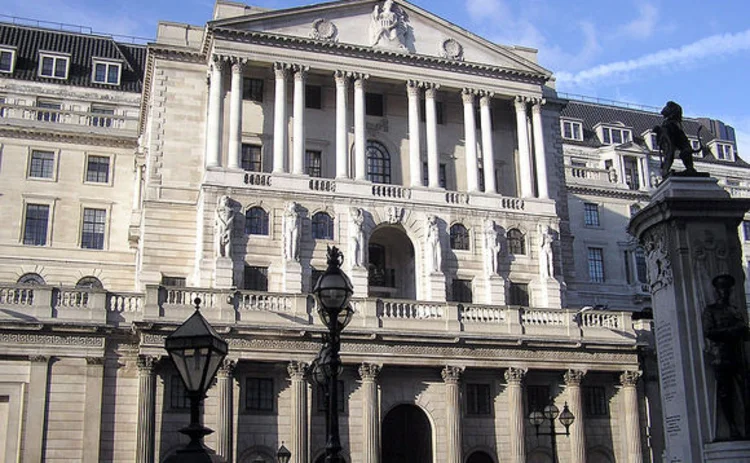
{"points": [[482, 9], [644, 25], [715, 45]]}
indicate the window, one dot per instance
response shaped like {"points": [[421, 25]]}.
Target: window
{"points": [[35, 226], [256, 221], [724, 152], [641, 272], [459, 237], [595, 401], [374, 104], [42, 164], [251, 158], [612, 136], [322, 398], [478, 399], [176, 282], [696, 144], [591, 214], [106, 73], [480, 177], [654, 141], [89, 283], [178, 397], [256, 278], [537, 397], [439, 113], [313, 163], [97, 169], [92, 232], [53, 66], [518, 294], [7, 60], [516, 242], [596, 265], [252, 89], [378, 163], [630, 166], [461, 291], [101, 116], [628, 271], [313, 96], [441, 175], [31, 279], [259, 394], [746, 229], [49, 110], [572, 130], [322, 226]]}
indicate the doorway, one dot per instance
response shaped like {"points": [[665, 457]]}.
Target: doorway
{"points": [[407, 435]]}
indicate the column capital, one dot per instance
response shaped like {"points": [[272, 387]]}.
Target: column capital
{"points": [[514, 375], [430, 89], [520, 102], [536, 105], [226, 369], [238, 65], [297, 370], [467, 95], [94, 360], [300, 71], [146, 363], [218, 61], [485, 97], [573, 377], [39, 358], [451, 374], [629, 378], [412, 87], [341, 77], [359, 79], [369, 371], [281, 70]]}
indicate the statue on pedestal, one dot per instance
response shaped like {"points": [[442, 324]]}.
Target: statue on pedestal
{"points": [[291, 229], [492, 247], [546, 254], [434, 252], [671, 138], [357, 237], [388, 25], [224, 225]]}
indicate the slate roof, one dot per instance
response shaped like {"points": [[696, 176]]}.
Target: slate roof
{"points": [[28, 41]]}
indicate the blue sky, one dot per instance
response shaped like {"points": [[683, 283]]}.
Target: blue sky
{"points": [[642, 51]]}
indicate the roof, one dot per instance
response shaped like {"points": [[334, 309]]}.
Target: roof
{"points": [[28, 41]]}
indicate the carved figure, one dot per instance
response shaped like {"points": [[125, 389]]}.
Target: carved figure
{"points": [[435, 254], [671, 138], [224, 226], [726, 330], [387, 24], [394, 214], [291, 231], [492, 247], [357, 236], [546, 254], [659, 266]]}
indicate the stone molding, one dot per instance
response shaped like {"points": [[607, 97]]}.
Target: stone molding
{"points": [[369, 371], [39, 358], [51, 339]]}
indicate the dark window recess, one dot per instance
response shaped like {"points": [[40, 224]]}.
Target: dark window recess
{"points": [[251, 158], [314, 163], [516, 241], [519, 294], [461, 291], [442, 182], [378, 163], [322, 399], [480, 178], [48, 111], [35, 228], [256, 221], [97, 169], [178, 397], [595, 401], [313, 96], [256, 278], [439, 112], [322, 226], [259, 394], [459, 237], [374, 105], [177, 282], [537, 397], [746, 229], [478, 399], [92, 232], [89, 283], [378, 273], [252, 89], [596, 265], [6, 61]]}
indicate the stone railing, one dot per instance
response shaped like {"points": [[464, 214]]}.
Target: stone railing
{"points": [[67, 117], [513, 204], [257, 179], [590, 174], [322, 184], [390, 191]]}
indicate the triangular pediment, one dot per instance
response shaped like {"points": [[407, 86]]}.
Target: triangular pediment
{"points": [[396, 26]]}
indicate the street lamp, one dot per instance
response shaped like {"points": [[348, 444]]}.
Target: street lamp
{"points": [[283, 455], [550, 413], [197, 351], [333, 290]]}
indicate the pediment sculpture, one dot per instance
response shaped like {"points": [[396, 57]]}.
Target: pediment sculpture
{"points": [[388, 26]]}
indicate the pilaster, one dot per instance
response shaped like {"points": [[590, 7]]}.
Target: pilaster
{"points": [[488, 151], [36, 412], [297, 371], [370, 413], [573, 380], [360, 159], [279, 118], [298, 137], [451, 377], [470, 140], [516, 427], [213, 125], [225, 418], [92, 424], [146, 410], [415, 155], [234, 150], [629, 381], [342, 146], [539, 156], [433, 160]]}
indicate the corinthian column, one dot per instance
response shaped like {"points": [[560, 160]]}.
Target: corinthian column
{"points": [[451, 376], [279, 118], [415, 161], [573, 380], [430, 111], [360, 172], [342, 157], [213, 125], [540, 158], [488, 152], [145, 430], [225, 418], [514, 380], [629, 380], [36, 413], [470, 140], [235, 116], [524, 157], [297, 372], [300, 76], [370, 413]]}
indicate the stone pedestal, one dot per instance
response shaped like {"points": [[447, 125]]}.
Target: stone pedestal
{"points": [[292, 275], [495, 290], [358, 277], [689, 231], [435, 287], [546, 293], [223, 273]]}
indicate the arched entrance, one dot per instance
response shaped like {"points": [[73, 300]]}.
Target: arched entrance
{"points": [[391, 269], [480, 457], [407, 436]]}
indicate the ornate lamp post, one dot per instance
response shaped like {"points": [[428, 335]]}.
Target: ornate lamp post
{"points": [[550, 413], [333, 290], [197, 351]]}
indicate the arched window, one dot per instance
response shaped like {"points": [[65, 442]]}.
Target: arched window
{"points": [[31, 279], [378, 163], [322, 226], [256, 221], [516, 242], [459, 237], [89, 283]]}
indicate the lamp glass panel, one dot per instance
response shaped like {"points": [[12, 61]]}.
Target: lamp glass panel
{"points": [[551, 411], [214, 362], [178, 358], [334, 297], [536, 418], [566, 417]]}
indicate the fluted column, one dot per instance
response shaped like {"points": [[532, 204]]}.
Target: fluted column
{"points": [[213, 126], [516, 427], [92, 412], [342, 156], [370, 413], [36, 411], [539, 156], [279, 118], [470, 139], [629, 380], [488, 150], [451, 376], [360, 172], [145, 423], [300, 77], [524, 157], [298, 445], [415, 156], [573, 380], [235, 116], [224, 416], [433, 161]]}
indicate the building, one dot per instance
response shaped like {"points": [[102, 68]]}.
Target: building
{"points": [[230, 155]]}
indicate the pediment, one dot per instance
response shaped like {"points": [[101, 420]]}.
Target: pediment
{"points": [[395, 25]]}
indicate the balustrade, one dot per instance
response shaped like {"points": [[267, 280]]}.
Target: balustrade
{"points": [[322, 184], [391, 191], [257, 179], [453, 197], [268, 302], [125, 302], [68, 117], [411, 310], [10, 296], [483, 314]]}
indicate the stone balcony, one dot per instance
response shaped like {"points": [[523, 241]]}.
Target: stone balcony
{"points": [[32, 117], [47, 305]]}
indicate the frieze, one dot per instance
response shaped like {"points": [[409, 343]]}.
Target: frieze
{"points": [[51, 339]]}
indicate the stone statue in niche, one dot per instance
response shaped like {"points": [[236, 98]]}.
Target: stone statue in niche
{"points": [[291, 231], [224, 224], [492, 247], [726, 332], [546, 253], [434, 251], [671, 139], [388, 25], [357, 237]]}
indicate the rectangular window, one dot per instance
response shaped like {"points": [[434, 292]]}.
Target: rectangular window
{"points": [[106, 73], [595, 401], [259, 394], [252, 89], [628, 272], [251, 158], [572, 130], [42, 164], [607, 139], [596, 265], [518, 294], [313, 163], [374, 104], [53, 66], [442, 177], [641, 270], [92, 231], [313, 96], [178, 397], [630, 165], [615, 136], [724, 152], [461, 291], [256, 278], [654, 142], [439, 112], [591, 214], [537, 397], [323, 399], [480, 178], [478, 399], [97, 169], [7, 60], [48, 110], [177, 282], [35, 228], [101, 116]]}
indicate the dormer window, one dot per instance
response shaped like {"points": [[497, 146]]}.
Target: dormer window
{"points": [[615, 136], [654, 141], [52, 65], [724, 152], [106, 72], [7, 60], [572, 130]]}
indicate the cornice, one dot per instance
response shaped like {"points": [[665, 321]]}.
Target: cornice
{"points": [[610, 193], [118, 141]]}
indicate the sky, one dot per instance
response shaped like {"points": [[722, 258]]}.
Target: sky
{"points": [[638, 51]]}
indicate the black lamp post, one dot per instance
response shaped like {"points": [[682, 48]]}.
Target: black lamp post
{"points": [[333, 290], [550, 413], [283, 455], [197, 351]]}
